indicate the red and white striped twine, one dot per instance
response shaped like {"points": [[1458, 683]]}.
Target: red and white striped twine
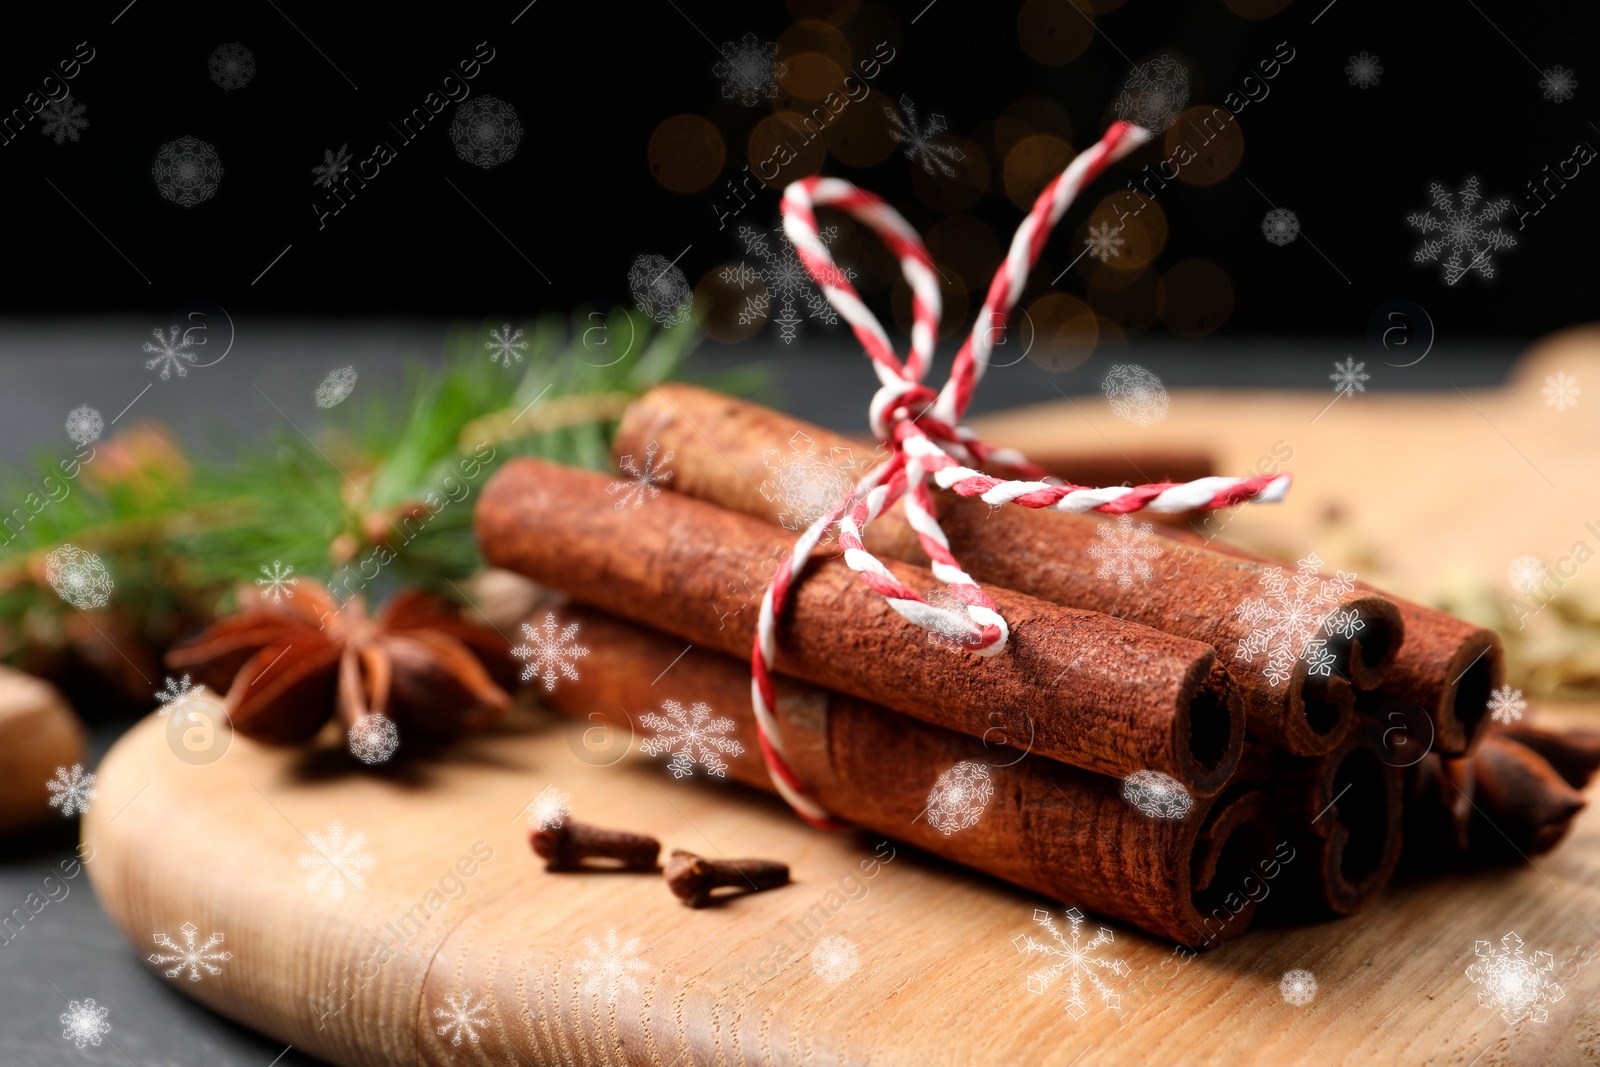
{"points": [[923, 431]]}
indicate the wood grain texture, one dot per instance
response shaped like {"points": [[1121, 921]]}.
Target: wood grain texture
{"points": [[940, 981]]}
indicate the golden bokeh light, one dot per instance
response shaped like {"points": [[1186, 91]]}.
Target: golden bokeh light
{"points": [[1041, 115], [1065, 331], [1205, 144], [810, 76], [860, 135], [1143, 232], [686, 153], [1194, 298], [783, 148], [816, 36], [1054, 32], [1031, 164]]}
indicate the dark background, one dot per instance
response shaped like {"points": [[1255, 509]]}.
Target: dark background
{"points": [[590, 82]]}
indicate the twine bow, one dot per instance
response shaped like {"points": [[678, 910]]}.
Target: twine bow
{"points": [[922, 429]]}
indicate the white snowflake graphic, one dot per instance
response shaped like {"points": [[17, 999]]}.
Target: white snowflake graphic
{"points": [[179, 695], [84, 1023], [1123, 549], [1298, 987], [548, 810], [232, 66], [692, 736], [1135, 394], [1074, 958], [1154, 94], [1364, 70], [373, 738], [1521, 988], [1506, 705], [506, 345], [1465, 229], [749, 70], [171, 352], [62, 119], [783, 277], [835, 959], [84, 425], [1558, 84], [337, 861], [660, 290], [187, 171], [78, 577], [1103, 242], [1348, 376], [642, 480], [1560, 391], [463, 1017], [548, 653], [806, 484], [1280, 226], [189, 956], [610, 966], [1286, 620], [71, 791], [277, 582], [919, 140], [336, 387], [334, 165], [1157, 795], [959, 796], [486, 131], [1526, 573]]}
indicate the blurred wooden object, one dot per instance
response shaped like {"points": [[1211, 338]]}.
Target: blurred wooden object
{"points": [[1422, 484], [39, 732]]}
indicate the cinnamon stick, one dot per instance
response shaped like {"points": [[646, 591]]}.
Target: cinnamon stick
{"points": [[725, 451], [1099, 693], [1047, 827], [1343, 810], [1445, 666]]}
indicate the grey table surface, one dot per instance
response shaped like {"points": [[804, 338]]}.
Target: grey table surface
{"points": [[70, 950]]}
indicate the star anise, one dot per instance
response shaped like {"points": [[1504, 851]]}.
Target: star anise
{"points": [[288, 667]]}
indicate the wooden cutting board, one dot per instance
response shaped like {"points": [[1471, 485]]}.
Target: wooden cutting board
{"points": [[939, 980], [1428, 482]]}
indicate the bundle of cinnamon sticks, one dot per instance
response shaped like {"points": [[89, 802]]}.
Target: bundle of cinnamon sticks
{"points": [[1140, 749]]}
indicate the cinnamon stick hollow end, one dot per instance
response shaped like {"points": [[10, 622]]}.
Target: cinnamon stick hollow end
{"points": [[1448, 668], [1344, 809], [1093, 691]]}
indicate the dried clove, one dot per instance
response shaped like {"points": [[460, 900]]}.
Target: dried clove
{"points": [[568, 847], [692, 878]]}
